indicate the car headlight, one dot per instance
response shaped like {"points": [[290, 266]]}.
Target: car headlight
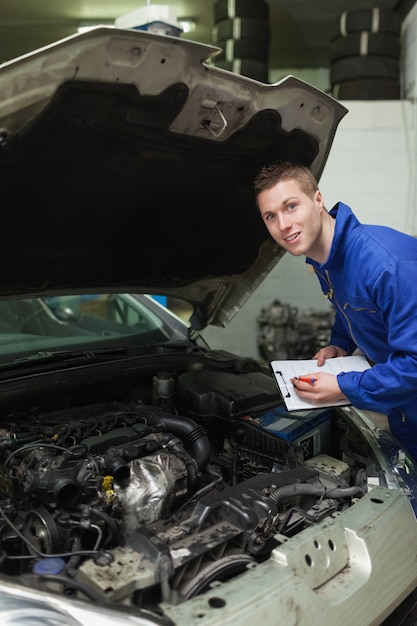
{"points": [[21, 606]]}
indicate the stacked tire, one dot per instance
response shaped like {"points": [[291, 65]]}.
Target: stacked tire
{"points": [[241, 30], [365, 55]]}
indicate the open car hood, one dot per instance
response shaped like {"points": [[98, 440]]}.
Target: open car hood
{"points": [[127, 163]]}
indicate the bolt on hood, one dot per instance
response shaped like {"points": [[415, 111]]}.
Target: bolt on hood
{"points": [[127, 163]]}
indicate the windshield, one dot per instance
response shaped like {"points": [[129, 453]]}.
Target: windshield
{"points": [[29, 326]]}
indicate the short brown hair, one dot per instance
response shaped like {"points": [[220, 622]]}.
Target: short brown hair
{"points": [[274, 173]]}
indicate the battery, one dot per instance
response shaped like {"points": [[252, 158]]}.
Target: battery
{"points": [[309, 429]]}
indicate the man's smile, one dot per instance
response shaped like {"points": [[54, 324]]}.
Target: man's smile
{"points": [[292, 237]]}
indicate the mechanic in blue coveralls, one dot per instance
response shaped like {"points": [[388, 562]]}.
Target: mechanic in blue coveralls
{"points": [[369, 274]]}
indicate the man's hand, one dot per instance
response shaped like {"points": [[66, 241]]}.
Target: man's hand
{"points": [[324, 389], [329, 352]]}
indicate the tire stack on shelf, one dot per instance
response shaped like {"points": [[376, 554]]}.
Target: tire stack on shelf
{"points": [[241, 29], [365, 55]]}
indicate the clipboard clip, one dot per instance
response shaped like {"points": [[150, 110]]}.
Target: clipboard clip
{"points": [[279, 373]]}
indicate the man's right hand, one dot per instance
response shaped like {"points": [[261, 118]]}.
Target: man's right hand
{"points": [[329, 352]]}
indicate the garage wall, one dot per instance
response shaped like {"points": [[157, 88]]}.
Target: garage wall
{"points": [[373, 168]]}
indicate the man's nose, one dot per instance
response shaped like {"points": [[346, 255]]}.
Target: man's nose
{"points": [[284, 221]]}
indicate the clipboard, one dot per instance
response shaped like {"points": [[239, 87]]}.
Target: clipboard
{"points": [[284, 371]]}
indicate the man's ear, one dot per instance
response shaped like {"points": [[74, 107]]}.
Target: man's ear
{"points": [[318, 198]]}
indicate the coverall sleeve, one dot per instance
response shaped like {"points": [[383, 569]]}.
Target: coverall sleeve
{"points": [[392, 381]]}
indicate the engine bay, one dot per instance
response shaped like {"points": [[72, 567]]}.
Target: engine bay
{"points": [[192, 477]]}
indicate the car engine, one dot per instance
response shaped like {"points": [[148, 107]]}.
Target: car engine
{"points": [[152, 498]]}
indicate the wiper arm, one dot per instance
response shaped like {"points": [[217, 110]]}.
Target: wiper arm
{"points": [[43, 355], [65, 355]]}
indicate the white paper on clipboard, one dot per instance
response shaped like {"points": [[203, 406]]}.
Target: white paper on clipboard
{"points": [[284, 371]]}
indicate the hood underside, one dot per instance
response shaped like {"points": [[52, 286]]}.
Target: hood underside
{"points": [[127, 163]]}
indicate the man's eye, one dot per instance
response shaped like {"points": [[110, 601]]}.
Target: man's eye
{"points": [[291, 207]]}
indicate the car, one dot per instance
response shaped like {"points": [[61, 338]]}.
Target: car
{"points": [[146, 478]]}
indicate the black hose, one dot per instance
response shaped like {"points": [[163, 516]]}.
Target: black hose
{"points": [[307, 489], [193, 436], [110, 523]]}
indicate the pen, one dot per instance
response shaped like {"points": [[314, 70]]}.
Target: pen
{"points": [[306, 379]]}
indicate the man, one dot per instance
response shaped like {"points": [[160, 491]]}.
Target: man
{"points": [[369, 274]]}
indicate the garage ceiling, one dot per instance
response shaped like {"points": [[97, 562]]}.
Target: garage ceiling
{"points": [[301, 30]]}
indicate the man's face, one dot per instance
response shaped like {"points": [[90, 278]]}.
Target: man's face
{"points": [[294, 219]]}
